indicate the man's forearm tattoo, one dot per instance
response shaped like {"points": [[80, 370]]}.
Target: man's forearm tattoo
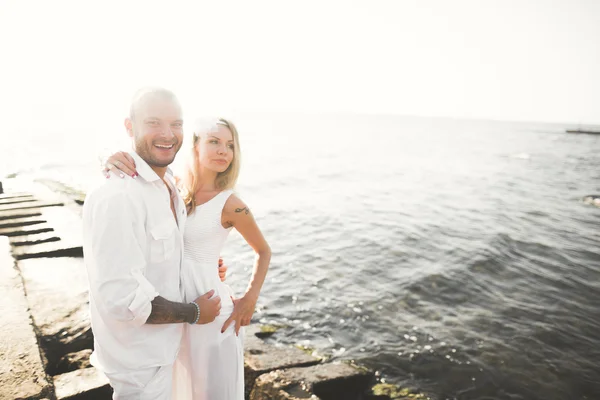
{"points": [[244, 210], [170, 312]]}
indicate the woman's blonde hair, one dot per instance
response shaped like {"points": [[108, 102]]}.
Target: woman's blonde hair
{"points": [[224, 180]]}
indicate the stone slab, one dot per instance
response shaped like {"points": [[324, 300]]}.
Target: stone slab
{"points": [[58, 299], [82, 384], [260, 358], [28, 206], [21, 370], [74, 361], [15, 195], [36, 238], [47, 250], [66, 193], [25, 230], [264, 357], [18, 200], [19, 222], [19, 214], [66, 225], [324, 381]]}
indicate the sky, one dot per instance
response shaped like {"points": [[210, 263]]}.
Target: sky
{"points": [[77, 63]]}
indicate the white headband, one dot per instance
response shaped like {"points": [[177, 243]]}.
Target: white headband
{"points": [[207, 125]]}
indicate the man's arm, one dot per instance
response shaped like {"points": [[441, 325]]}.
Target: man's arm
{"points": [[170, 312], [116, 261], [113, 231]]}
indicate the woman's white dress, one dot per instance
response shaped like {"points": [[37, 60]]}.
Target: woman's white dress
{"points": [[210, 364]]}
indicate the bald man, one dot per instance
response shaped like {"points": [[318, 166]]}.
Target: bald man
{"points": [[133, 249]]}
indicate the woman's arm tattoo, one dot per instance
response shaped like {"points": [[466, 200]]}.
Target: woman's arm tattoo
{"points": [[245, 210]]}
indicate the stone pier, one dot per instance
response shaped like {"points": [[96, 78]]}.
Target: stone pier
{"points": [[47, 339]]}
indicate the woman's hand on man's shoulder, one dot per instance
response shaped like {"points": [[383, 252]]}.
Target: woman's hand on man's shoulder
{"points": [[120, 164]]}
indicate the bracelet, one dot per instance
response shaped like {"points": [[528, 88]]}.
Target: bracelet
{"points": [[197, 314]]}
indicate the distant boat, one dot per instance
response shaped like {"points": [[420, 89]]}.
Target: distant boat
{"points": [[588, 131]]}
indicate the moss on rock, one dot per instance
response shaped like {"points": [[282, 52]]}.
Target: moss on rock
{"points": [[396, 392]]}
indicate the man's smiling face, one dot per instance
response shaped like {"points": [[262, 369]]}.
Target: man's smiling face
{"points": [[156, 125]]}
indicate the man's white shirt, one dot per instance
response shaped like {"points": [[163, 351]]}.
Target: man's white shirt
{"points": [[133, 250]]}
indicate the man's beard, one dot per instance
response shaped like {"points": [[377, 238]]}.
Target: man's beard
{"points": [[144, 150]]}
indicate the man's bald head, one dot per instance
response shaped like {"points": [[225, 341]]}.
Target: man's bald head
{"points": [[142, 97]]}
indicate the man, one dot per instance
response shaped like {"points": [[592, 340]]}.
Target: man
{"points": [[133, 250]]}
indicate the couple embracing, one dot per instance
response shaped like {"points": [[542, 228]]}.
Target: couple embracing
{"points": [[166, 326]]}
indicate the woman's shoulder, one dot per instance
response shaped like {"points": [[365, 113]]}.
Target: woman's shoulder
{"points": [[234, 204]]}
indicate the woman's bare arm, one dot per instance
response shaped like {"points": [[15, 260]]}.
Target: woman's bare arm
{"points": [[237, 214]]}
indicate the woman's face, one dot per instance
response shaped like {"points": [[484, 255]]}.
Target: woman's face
{"points": [[215, 148]]}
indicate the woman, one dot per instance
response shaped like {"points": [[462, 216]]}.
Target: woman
{"points": [[210, 365]]}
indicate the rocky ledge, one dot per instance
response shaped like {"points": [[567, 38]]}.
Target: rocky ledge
{"points": [[47, 339]]}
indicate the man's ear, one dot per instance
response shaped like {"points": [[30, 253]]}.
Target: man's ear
{"points": [[129, 126]]}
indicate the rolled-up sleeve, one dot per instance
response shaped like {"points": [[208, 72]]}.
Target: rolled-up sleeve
{"points": [[117, 283]]}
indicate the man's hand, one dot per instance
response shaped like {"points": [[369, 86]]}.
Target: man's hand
{"points": [[222, 270], [209, 307]]}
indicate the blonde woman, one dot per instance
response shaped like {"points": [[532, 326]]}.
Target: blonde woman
{"points": [[210, 365]]}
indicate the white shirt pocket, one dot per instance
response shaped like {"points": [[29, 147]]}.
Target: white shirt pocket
{"points": [[162, 244]]}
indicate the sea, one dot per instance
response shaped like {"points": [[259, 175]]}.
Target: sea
{"points": [[453, 257]]}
